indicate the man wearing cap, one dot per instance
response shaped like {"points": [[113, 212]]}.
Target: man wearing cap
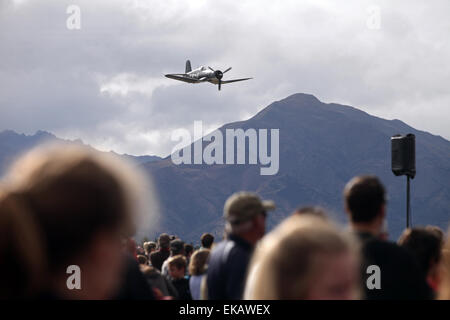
{"points": [[245, 219], [176, 248], [157, 258]]}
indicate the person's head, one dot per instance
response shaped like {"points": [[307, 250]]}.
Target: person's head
{"points": [[140, 250], [177, 266], [437, 231], [176, 247], [426, 245], [315, 211], [71, 205], [207, 240], [444, 286], [305, 257], [245, 215], [148, 271], [164, 241], [365, 200], [149, 247], [199, 261], [188, 250], [141, 259]]}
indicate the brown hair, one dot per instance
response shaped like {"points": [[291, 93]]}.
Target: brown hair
{"points": [[149, 246], [56, 198], [178, 261], [311, 210], [198, 262], [425, 244], [142, 259], [364, 197]]}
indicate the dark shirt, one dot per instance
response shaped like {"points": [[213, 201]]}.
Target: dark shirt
{"points": [[400, 273], [182, 286], [227, 269], [134, 284], [157, 258]]}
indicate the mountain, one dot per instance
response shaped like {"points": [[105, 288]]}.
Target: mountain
{"points": [[322, 146], [13, 144]]}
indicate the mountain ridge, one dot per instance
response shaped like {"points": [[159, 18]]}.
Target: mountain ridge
{"points": [[14, 144], [322, 146]]}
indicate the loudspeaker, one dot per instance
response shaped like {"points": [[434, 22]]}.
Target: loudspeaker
{"points": [[404, 155]]}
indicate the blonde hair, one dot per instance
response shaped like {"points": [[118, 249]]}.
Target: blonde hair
{"points": [[444, 288], [284, 263], [54, 200], [198, 262]]}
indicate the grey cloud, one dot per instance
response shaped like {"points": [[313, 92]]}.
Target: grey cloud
{"points": [[51, 77]]}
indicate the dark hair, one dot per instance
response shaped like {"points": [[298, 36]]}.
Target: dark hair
{"points": [[207, 240], [176, 247], [364, 197], [188, 248], [141, 259], [164, 240], [425, 243]]}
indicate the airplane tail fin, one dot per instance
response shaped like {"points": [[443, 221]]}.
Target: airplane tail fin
{"points": [[188, 66]]}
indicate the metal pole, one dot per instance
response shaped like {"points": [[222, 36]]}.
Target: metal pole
{"points": [[408, 209]]}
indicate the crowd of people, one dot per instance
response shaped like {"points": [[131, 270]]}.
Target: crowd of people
{"points": [[68, 205]]}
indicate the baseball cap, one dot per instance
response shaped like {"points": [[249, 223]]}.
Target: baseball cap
{"points": [[243, 206]]}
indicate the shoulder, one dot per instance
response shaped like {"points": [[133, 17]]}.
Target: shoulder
{"points": [[385, 247], [388, 252]]}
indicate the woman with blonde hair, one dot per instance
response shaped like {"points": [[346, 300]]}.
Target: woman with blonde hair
{"points": [[305, 257], [444, 286], [64, 211], [197, 270]]}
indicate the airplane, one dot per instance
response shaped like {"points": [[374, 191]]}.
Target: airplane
{"points": [[202, 74]]}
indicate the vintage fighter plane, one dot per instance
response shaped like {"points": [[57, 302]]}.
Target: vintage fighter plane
{"points": [[202, 74]]}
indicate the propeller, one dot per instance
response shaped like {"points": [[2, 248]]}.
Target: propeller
{"points": [[219, 75]]}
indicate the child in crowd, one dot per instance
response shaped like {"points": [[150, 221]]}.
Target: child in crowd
{"points": [[177, 270]]}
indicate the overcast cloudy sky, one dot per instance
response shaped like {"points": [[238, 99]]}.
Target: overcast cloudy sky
{"points": [[104, 83]]}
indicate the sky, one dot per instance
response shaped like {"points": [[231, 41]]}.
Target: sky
{"points": [[104, 82]]}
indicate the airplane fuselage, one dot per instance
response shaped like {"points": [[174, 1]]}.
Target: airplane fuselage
{"points": [[201, 73]]}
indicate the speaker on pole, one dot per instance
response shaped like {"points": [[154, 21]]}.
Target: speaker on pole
{"points": [[404, 155], [403, 151]]}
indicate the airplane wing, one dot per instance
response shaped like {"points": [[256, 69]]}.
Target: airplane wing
{"points": [[181, 77], [235, 80]]}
